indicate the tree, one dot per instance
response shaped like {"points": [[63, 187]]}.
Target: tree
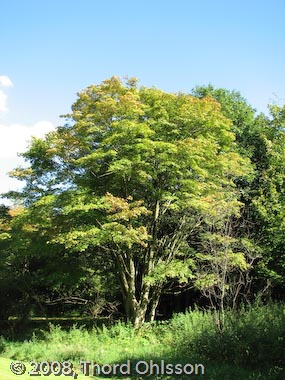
{"points": [[224, 262], [129, 177], [235, 108], [268, 197], [262, 139], [42, 277]]}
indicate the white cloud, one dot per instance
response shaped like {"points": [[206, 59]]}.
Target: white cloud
{"points": [[5, 81], [14, 139]]}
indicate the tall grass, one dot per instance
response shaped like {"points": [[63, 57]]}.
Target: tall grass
{"points": [[250, 346]]}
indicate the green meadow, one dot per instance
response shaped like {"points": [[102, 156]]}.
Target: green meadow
{"points": [[250, 346]]}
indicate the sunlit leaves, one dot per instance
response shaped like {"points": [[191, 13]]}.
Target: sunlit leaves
{"points": [[129, 177], [182, 270]]}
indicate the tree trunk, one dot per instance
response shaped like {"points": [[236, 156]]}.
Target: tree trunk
{"points": [[140, 300], [153, 304]]}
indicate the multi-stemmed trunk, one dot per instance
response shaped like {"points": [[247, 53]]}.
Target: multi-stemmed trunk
{"points": [[140, 296]]}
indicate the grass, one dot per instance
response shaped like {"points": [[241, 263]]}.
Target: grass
{"points": [[251, 346], [6, 374]]}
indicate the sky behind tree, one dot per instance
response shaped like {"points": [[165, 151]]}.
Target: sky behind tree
{"points": [[52, 49]]}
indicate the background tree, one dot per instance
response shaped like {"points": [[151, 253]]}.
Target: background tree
{"points": [[261, 138], [268, 197], [225, 261]]}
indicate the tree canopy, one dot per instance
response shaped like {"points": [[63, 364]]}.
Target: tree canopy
{"points": [[143, 193]]}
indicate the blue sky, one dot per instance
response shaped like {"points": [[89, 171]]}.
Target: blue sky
{"points": [[52, 49]]}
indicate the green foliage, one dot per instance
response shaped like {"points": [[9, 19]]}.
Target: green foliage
{"points": [[260, 138], [138, 190], [36, 272], [248, 337], [124, 178], [163, 271], [268, 196], [236, 108]]}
